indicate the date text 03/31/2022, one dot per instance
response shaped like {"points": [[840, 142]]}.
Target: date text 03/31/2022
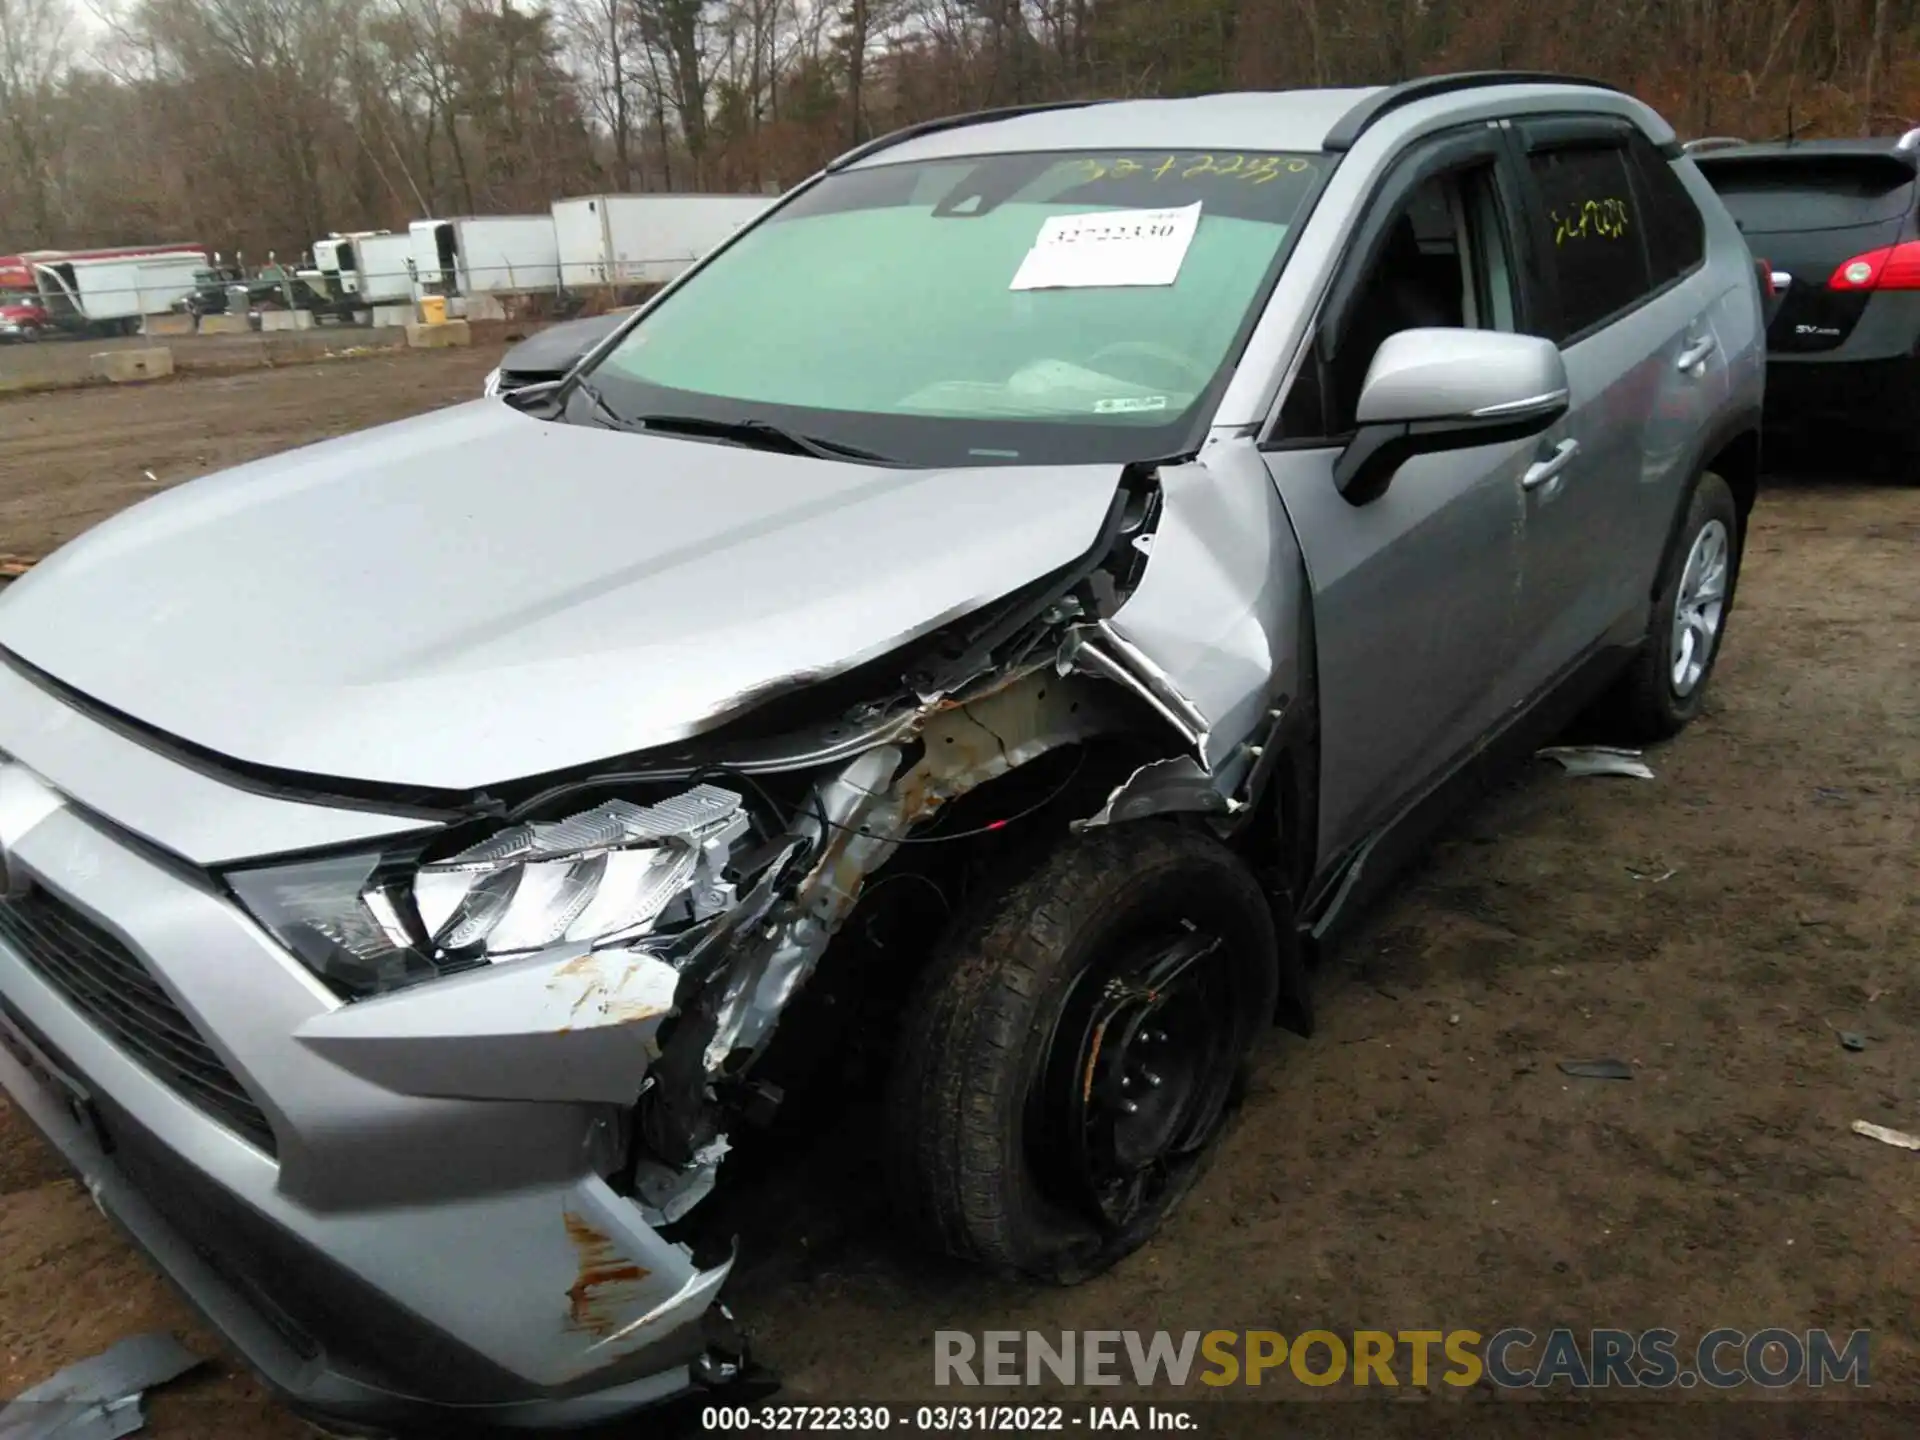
{"points": [[946, 1419]]}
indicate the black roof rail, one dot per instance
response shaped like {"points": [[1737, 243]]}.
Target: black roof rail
{"points": [[950, 122], [1352, 125]]}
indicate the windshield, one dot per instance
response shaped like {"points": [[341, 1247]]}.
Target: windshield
{"points": [[1006, 309]]}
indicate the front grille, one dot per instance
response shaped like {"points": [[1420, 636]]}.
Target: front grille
{"points": [[108, 984]]}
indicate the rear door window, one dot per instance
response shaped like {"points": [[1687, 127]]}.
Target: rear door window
{"points": [[1594, 231], [1676, 235]]}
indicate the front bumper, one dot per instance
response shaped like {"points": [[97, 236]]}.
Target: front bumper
{"points": [[382, 1259]]}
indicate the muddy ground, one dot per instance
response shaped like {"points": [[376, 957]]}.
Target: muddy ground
{"points": [[1420, 1163]]}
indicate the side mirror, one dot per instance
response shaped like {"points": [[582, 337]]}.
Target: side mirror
{"points": [[1433, 390]]}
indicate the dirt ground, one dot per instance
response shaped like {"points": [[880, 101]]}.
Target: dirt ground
{"points": [[70, 458], [1421, 1162]]}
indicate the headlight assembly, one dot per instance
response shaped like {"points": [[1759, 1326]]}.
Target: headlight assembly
{"points": [[372, 922]]}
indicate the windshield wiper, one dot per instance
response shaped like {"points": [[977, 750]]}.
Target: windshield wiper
{"points": [[762, 433], [607, 413]]}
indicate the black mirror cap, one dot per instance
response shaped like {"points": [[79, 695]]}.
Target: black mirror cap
{"points": [[1362, 471]]}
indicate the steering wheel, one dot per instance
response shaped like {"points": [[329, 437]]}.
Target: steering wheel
{"points": [[1201, 375]]}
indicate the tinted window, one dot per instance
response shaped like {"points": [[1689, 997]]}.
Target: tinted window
{"points": [[1676, 236], [1812, 191], [1595, 233]]}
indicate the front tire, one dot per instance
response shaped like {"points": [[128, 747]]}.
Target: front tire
{"points": [[1665, 688], [1073, 1052]]}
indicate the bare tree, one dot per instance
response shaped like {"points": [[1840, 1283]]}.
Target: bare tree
{"points": [[33, 56], [601, 33]]}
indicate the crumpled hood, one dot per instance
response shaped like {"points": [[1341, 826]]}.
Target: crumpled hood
{"points": [[474, 596]]}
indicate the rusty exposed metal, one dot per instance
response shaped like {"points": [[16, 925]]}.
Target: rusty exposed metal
{"points": [[606, 1284], [612, 987]]}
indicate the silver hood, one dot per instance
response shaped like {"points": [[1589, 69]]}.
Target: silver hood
{"points": [[474, 595]]}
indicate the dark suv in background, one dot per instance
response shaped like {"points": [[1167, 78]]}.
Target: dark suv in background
{"points": [[1836, 222]]}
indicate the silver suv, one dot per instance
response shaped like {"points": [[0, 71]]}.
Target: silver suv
{"points": [[1027, 589]]}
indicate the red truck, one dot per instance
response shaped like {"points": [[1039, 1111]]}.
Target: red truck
{"points": [[23, 315]]}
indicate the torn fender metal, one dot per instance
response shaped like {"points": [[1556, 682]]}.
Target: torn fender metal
{"points": [[1097, 650], [872, 804], [1179, 785], [1212, 624], [1176, 784]]}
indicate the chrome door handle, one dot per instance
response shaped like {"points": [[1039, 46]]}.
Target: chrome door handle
{"points": [[1696, 353], [1542, 471]]}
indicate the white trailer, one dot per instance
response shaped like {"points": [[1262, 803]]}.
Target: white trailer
{"points": [[111, 292], [643, 239], [336, 260], [384, 271], [485, 255], [366, 267]]}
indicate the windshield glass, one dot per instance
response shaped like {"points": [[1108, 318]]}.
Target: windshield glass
{"points": [[984, 310]]}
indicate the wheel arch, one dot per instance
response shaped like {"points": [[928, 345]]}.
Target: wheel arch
{"points": [[1731, 450]]}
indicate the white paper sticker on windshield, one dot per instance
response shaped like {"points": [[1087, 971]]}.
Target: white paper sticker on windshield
{"points": [[1129, 404], [1109, 248]]}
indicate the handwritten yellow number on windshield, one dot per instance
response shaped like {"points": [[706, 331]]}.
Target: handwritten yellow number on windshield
{"points": [[1254, 169]]}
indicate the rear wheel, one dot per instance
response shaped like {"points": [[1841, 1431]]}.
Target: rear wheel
{"points": [[1072, 1055], [1665, 687]]}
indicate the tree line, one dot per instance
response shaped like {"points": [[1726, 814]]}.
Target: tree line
{"points": [[257, 125]]}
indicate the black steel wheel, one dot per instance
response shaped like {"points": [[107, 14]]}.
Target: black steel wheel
{"points": [[1070, 1059]]}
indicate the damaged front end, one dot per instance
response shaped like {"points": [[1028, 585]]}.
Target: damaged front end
{"points": [[662, 915]]}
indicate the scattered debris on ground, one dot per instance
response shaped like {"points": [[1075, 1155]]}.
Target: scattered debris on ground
{"points": [[1608, 1069], [98, 1398], [1886, 1136], [1597, 760]]}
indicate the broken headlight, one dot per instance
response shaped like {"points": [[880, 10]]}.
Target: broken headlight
{"points": [[370, 922]]}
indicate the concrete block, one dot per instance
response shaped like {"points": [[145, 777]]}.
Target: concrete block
{"points": [[481, 307], [225, 325], [392, 315], [170, 324], [286, 319], [121, 366], [447, 334]]}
